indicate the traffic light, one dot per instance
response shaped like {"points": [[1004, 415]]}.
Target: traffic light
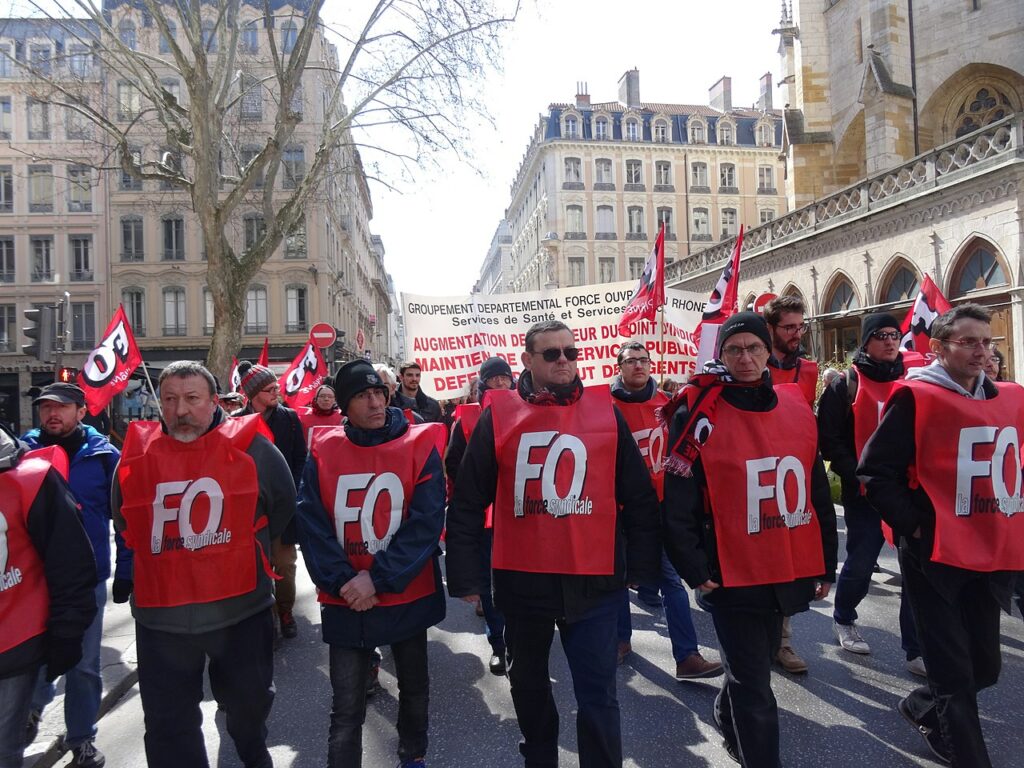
{"points": [[41, 328], [67, 375]]}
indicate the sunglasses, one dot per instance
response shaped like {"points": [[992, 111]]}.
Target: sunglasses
{"points": [[883, 335], [554, 353]]}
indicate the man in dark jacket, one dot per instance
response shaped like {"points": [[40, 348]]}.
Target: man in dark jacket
{"points": [[202, 595], [47, 585], [938, 470], [409, 388], [261, 388], [847, 415], [748, 520], [374, 591], [557, 560], [92, 462]]}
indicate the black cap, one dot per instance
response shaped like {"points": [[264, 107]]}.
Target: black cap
{"points": [[744, 322], [494, 366], [876, 321], [62, 393], [352, 378]]}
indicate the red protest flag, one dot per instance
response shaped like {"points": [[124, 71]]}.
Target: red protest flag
{"points": [[107, 369], [917, 326], [304, 377], [723, 304], [649, 295], [264, 358], [236, 377]]}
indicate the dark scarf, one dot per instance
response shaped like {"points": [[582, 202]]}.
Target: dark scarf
{"points": [[553, 395], [879, 370], [700, 395], [71, 442], [620, 392]]}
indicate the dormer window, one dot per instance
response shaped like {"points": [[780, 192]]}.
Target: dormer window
{"points": [[661, 132], [726, 134], [696, 132], [632, 130], [601, 132], [571, 128], [765, 135]]}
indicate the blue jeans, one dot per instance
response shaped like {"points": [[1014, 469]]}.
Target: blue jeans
{"points": [[15, 696], [681, 631], [83, 685], [864, 541]]}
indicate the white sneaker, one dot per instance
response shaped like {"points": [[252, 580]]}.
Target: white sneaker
{"points": [[916, 667], [850, 639]]}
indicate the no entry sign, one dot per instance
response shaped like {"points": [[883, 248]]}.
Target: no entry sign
{"points": [[323, 335]]}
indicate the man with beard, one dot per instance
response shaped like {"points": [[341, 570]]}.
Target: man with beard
{"points": [[92, 461], [847, 416], [557, 560], [409, 389], [261, 388], [199, 499]]}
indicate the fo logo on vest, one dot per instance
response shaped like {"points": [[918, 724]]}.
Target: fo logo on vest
{"points": [[1001, 499], [187, 538], [651, 443], [550, 501], [345, 512], [782, 469]]}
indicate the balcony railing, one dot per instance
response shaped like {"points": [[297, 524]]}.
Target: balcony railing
{"points": [[255, 328], [132, 255], [174, 254], [7, 276], [636, 235], [86, 344], [174, 330], [81, 275], [297, 327], [42, 275]]}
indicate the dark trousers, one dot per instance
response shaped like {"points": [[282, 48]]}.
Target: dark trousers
{"points": [[589, 646], [350, 670], [15, 700], [171, 684], [746, 705], [493, 617], [960, 646], [864, 541]]}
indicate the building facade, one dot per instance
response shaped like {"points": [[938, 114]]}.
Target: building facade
{"points": [[495, 273]]}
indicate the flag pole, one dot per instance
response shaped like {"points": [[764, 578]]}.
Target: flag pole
{"points": [[661, 366]]}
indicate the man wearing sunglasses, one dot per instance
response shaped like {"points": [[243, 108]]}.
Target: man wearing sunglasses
{"points": [[943, 469], [575, 518], [847, 416]]}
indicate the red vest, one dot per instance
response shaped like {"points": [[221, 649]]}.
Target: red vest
{"points": [[353, 479], [650, 435], [24, 597], [972, 474], [311, 421], [467, 415], [555, 508], [758, 469], [867, 408], [189, 509], [804, 373]]}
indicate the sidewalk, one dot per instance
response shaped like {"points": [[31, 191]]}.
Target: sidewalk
{"points": [[119, 675]]}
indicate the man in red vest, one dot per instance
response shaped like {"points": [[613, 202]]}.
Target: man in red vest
{"points": [[495, 373], [47, 584], [847, 416], [789, 364], [575, 518], [638, 399], [749, 521], [199, 498], [943, 468], [370, 516]]}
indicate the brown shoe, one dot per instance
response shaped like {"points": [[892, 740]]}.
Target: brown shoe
{"points": [[791, 661], [624, 650], [695, 667]]}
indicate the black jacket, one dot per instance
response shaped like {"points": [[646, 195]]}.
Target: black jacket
{"points": [[425, 406], [637, 543], [689, 530], [890, 451]]}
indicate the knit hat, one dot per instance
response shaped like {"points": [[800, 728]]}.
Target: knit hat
{"points": [[354, 377], [876, 321], [494, 366], [254, 378], [744, 322]]}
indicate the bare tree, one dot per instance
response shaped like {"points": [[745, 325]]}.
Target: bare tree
{"points": [[393, 85]]}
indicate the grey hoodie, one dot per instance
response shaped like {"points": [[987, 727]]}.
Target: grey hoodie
{"points": [[938, 375]]}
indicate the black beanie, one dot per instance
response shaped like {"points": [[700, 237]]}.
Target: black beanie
{"points": [[352, 378], [744, 322], [494, 366], [876, 321]]}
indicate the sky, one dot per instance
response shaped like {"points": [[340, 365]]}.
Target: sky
{"points": [[437, 229]]}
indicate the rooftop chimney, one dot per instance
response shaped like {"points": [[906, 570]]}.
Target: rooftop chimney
{"points": [[720, 95], [582, 97], [764, 102], [629, 88]]}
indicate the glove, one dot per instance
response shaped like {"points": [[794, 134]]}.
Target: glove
{"points": [[122, 590], [62, 654]]}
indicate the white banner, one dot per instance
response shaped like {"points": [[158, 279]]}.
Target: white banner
{"points": [[450, 336]]}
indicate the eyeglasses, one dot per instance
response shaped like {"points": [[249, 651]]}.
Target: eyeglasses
{"points": [[273, 389], [753, 350], [883, 335], [554, 353], [986, 345], [637, 361], [794, 327]]}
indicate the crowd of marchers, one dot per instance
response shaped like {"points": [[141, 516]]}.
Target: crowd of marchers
{"points": [[552, 500]]}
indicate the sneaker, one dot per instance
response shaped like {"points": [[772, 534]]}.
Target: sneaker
{"points": [[373, 681], [915, 666], [695, 667], [87, 756], [932, 737], [790, 660], [32, 726], [850, 639], [289, 628], [728, 739], [497, 663], [624, 650]]}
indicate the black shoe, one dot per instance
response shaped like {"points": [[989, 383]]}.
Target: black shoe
{"points": [[497, 663], [932, 737], [373, 681], [728, 738], [32, 726], [289, 629], [87, 756]]}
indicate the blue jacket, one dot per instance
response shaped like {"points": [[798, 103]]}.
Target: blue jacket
{"points": [[91, 474], [413, 546]]}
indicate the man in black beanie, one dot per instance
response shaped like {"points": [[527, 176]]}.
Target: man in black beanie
{"points": [[848, 414]]}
